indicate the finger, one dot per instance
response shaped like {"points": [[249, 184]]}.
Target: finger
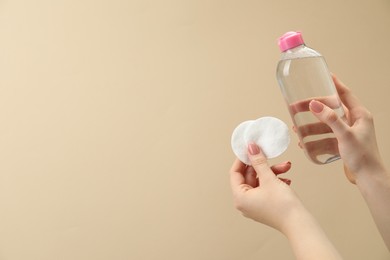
{"points": [[236, 175], [287, 181], [353, 104], [329, 117], [294, 128], [296, 132], [314, 129], [345, 94], [347, 114], [281, 168], [259, 162], [320, 147], [303, 105], [251, 177], [238, 166], [349, 175]]}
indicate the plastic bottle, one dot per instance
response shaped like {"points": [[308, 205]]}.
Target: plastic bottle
{"points": [[303, 76]]}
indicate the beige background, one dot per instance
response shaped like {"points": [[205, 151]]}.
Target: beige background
{"points": [[116, 116]]}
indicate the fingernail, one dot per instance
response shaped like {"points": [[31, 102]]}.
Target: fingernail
{"points": [[316, 106], [253, 149], [294, 128], [287, 162]]}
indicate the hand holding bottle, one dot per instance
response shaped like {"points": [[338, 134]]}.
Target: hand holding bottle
{"points": [[355, 134], [359, 151]]}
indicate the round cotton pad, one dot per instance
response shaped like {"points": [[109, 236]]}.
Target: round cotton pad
{"points": [[270, 133], [238, 143]]}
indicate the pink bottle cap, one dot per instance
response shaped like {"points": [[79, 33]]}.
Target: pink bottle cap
{"points": [[290, 40]]}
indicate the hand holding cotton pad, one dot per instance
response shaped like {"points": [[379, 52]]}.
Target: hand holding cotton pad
{"points": [[270, 133]]}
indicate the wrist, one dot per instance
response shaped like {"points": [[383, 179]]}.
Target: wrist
{"points": [[298, 219], [373, 180], [307, 238], [372, 175]]}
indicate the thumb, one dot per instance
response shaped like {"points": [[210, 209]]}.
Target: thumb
{"points": [[259, 161], [328, 116]]}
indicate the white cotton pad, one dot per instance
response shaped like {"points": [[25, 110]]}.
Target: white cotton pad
{"points": [[270, 133], [239, 146]]}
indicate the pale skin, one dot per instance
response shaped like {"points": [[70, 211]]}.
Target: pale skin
{"points": [[264, 197], [359, 151], [325, 146]]}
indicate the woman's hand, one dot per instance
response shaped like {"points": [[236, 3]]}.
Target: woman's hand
{"points": [[359, 150], [259, 194], [356, 136], [268, 199]]}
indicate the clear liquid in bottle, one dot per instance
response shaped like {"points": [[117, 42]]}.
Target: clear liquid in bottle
{"points": [[303, 75]]}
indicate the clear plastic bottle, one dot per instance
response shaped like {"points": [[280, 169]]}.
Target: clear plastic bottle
{"points": [[303, 75]]}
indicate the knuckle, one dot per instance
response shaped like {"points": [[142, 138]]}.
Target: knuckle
{"points": [[259, 160], [238, 205], [348, 134], [331, 117], [369, 116], [365, 113]]}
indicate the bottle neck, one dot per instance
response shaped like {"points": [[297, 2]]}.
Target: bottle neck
{"points": [[301, 51], [295, 49]]}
